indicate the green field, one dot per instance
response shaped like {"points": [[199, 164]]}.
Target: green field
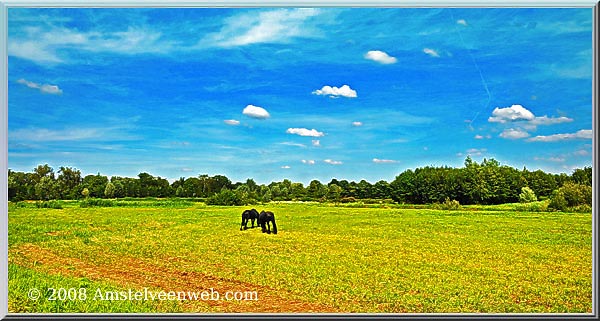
{"points": [[325, 258]]}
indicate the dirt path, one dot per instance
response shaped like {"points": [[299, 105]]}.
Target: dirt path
{"points": [[128, 272]]}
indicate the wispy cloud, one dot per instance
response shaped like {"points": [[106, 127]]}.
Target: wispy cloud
{"points": [[344, 91], [380, 57], [431, 52], [45, 88], [256, 112], [305, 132], [232, 122], [483, 137], [285, 167], [274, 26], [308, 162], [357, 124], [384, 161], [293, 144], [47, 45], [316, 142], [581, 134], [461, 22]]}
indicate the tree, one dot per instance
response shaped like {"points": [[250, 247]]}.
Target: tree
{"points": [[85, 192], [47, 189], [527, 195], [69, 180], [109, 190], [334, 193]]}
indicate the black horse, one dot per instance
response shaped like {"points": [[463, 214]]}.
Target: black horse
{"points": [[264, 220], [249, 215]]}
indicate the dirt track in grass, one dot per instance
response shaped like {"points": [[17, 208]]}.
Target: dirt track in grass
{"points": [[129, 272]]}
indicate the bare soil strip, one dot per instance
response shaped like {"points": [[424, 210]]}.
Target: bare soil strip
{"points": [[129, 272]]}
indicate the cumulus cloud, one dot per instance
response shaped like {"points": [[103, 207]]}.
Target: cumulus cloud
{"points": [[380, 57], [357, 124], [461, 22], [309, 162], [256, 112], [344, 91], [384, 161], [431, 52], [232, 122], [514, 133], [316, 142], [581, 134], [509, 114], [332, 162], [304, 132], [45, 88]]}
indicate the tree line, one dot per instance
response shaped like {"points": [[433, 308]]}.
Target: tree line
{"points": [[487, 182]]}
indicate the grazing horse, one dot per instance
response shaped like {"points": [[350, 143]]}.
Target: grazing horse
{"points": [[264, 220], [249, 215]]}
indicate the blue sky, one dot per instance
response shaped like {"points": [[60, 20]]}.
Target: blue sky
{"points": [[298, 93]]}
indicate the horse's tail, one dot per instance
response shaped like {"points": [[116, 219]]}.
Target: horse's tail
{"points": [[274, 225]]}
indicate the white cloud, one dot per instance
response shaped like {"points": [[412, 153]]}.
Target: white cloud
{"points": [[285, 167], [293, 144], [582, 152], [344, 91], [309, 162], [187, 169], [512, 133], [461, 22], [431, 52], [581, 134], [316, 142], [304, 132], [509, 114], [45, 88], [357, 124], [384, 161], [474, 152], [256, 112], [232, 122], [274, 26], [545, 120], [332, 162], [380, 57], [483, 137], [47, 135], [551, 159], [42, 45]]}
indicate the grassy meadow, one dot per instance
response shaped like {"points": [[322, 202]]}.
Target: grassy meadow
{"points": [[325, 258]]}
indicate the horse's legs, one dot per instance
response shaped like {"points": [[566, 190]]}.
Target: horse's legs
{"points": [[268, 227], [252, 219]]}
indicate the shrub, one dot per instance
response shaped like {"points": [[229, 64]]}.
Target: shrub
{"points": [[570, 197], [348, 200], [96, 202], [527, 195], [49, 204], [447, 205], [226, 198]]}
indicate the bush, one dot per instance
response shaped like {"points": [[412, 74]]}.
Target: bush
{"points": [[447, 205], [527, 195], [348, 200], [96, 202], [49, 204], [571, 197], [226, 198], [539, 206]]}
